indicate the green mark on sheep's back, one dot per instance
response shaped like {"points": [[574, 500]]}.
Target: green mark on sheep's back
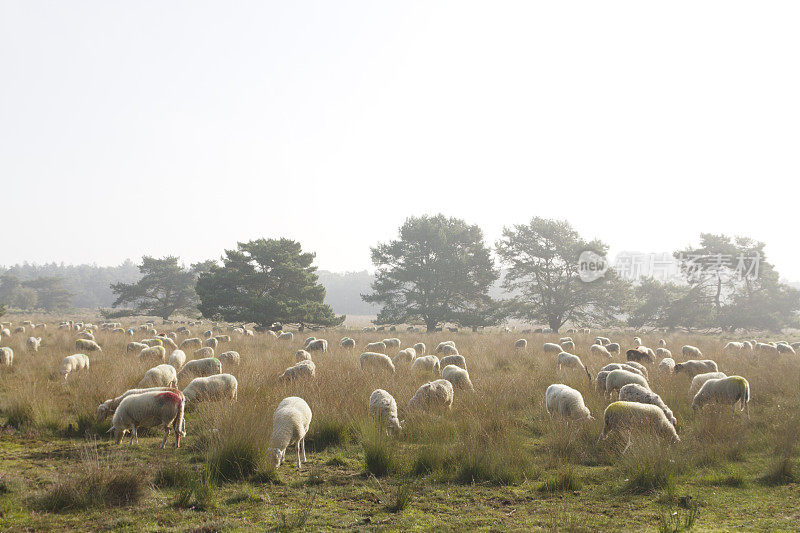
{"points": [[739, 379]]}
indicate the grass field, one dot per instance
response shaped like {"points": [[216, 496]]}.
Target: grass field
{"points": [[495, 461]]}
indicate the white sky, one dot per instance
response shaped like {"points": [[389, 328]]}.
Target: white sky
{"points": [[182, 127]]}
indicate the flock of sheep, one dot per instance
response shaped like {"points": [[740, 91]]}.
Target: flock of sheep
{"points": [[158, 403]]}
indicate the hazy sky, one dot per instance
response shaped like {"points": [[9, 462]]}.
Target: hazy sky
{"points": [[130, 128]]}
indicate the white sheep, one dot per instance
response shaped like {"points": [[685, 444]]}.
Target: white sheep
{"points": [[457, 360], [383, 408], [177, 359], [376, 347], [568, 346], [602, 341], [376, 362], [289, 426], [633, 415], [734, 347], [633, 392], [286, 336], [624, 366], [691, 351], [699, 380], [191, 343], [637, 341], [168, 342], [153, 342], [566, 402], [784, 347], [85, 345], [613, 348], [694, 367], [434, 395], [667, 365], [6, 356], [212, 389], [521, 344], [405, 357], [458, 376], [301, 370], [728, 390], [392, 343], [569, 360], [347, 343], [641, 354], [32, 343], [135, 347], [597, 349], [663, 353], [638, 366], [108, 407], [205, 351], [160, 376], [230, 357], [764, 348], [156, 353], [419, 348], [317, 345], [73, 363], [201, 368], [150, 409], [617, 379], [426, 364], [551, 347], [446, 348], [301, 355]]}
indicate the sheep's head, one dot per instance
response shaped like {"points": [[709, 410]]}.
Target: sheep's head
{"points": [[677, 368], [275, 457], [102, 412]]}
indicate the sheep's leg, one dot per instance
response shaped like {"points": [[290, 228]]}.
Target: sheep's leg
{"points": [[298, 455], [303, 440], [166, 434], [627, 445], [747, 409]]}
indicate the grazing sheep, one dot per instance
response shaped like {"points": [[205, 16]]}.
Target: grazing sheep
{"points": [[286, 336], [617, 379], [208, 334], [308, 341], [205, 351], [301, 370], [565, 339], [691, 351], [157, 353], [212, 389], [150, 409], [376, 362], [6, 356], [571, 361], [201, 368], [347, 343], [108, 407], [441, 347], [73, 363], [734, 347], [419, 348], [289, 426], [632, 415], [85, 335], [521, 344], [211, 343], [600, 381], [602, 341], [636, 393], [32, 344], [192, 343], [637, 341], [19, 329], [699, 380], [392, 343], [728, 390], [434, 395], [5, 332], [223, 338], [230, 358], [597, 349], [765, 348], [406, 357], [551, 347], [638, 366], [667, 365], [458, 376], [613, 348], [694, 367], [317, 345], [663, 353], [662, 342], [383, 408], [85, 345], [568, 346], [426, 363], [641, 355], [135, 347], [301, 355], [376, 347], [624, 366], [177, 359], [153, 342], [160, 376], [785, 348], [566, 402], [168, 342], [457, 360]]}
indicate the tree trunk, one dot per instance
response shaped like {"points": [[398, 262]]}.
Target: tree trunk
{"points": [[430, 326], [554, 323], [474, 329]]}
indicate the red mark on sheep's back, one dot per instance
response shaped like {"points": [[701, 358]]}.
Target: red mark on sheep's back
{"points": [[169, 396]]}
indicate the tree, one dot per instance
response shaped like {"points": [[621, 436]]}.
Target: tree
{"points": [[265, 281], [542, 259], [667, 305], [438, 271], [165, 288], [50, 293]]}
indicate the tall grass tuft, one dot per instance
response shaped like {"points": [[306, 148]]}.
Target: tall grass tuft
{"points": [[380, 455]]}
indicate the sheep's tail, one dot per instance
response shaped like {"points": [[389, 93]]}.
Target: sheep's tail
{"points": [[745, 396], [587, 373]]}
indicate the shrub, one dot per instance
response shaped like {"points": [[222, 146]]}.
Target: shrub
{"points": [[95, 488]]}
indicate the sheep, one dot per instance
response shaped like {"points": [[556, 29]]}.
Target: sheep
{"points": [[85, 335], [150, 409], [286, 336], [638, 366], [569, 360], [551, 347], [616, 379], [308, 341], [392, 343], [458, 376], [728, 390], [457, 360], [699, 380], [636, 393], [694, 367], [667, 365], [568, 346], [663, 353], [641, 354], [208, 334], [376, 362], [157, 353], [434, 395], [383, 408], [449, 349], [19, 329], [662, 342], [135, 347], [613, 348], [602, 341], [5, 332], [440, 348], [230, 358], [177, 359], [191, 343], [32, 344], [597, 349], [637, 341], [72, 363], [301, 355], [160, 376], [405, 357], [289, 426], [521, 344], [205, 351], [624, 366], [300, 370], [212, 389], [211, 343], [734, 347], [201, 368], [419, 348], [376, 347], [633, 415], [600, 381], [785, 348], [85, 345], [566, 402], [762, 347], [426, 363], [166, 341], [317, 345], [795, 345], [6, 356], [223, 338], [347, 343], [691, 351], [565, 339], [153, 342], [272, 334]]}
